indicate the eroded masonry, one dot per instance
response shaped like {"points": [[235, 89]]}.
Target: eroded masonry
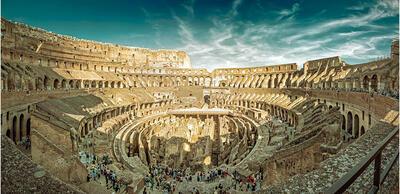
{"points": [[75, 111]]}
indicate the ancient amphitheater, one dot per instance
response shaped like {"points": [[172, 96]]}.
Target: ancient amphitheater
{"points": [[77, 114]]}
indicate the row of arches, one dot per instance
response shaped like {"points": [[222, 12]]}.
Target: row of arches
{"points": [[20, 127], [370, 83], [143, 109], [351, 125], [255, 81], [47, 83], [366, 83], [166, 81], [88, 125]]}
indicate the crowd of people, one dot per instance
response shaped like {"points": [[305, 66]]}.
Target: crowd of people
{"points": [[388, 93], [166, 179], [98, 167]]}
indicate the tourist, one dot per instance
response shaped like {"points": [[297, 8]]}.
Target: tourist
{"points": [[28, 142]]}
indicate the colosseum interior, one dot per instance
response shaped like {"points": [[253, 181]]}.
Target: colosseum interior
{"points": [[80, 116]]}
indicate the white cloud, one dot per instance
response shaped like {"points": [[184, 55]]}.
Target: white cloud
{"points": [[235, 6], [289, 12], [382, 9], [285, 42]]}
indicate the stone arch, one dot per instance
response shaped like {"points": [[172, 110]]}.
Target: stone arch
{"points": [[343, 123], [93, 84], [350, 122], [64, 83], [56, 84], [365, 83], [82, 131], [276, 82], [71, 83], [100, 84], [119, 84], [86, 83], [86, 128], [28, 127], [269, 83], [106, 84], [14, 128], [21, 126], [46, 82], [374, 82], [362, 131], [29, 84], [39, 83], [112, 85], [356, 126], [78, 84]]}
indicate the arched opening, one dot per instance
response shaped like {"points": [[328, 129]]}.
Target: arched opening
{"points": [[350, 123], [374, 82], [78, 84], [14, 128], [8, 133], [39, 83], [82, 132], [21, 124], [112, 84], [119, 84], [56, 82], [207, 99], [362, 131], [64, 84], [269, 83], [46, 82], [86, 84], [366, 83], [28, 127], [71, 84], [93, 85], [29, 84], [100, 84], [106, 84], [343, 122], [330, 107], [86, 129], [356, 126], [275, 82]]}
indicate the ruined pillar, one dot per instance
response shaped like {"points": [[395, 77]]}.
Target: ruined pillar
{"points": [[216, 141]]}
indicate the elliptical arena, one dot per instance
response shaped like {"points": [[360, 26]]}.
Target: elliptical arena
{"points": [[73, 109]]}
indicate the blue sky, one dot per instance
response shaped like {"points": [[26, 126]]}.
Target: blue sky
{"points": [[221, 33]]}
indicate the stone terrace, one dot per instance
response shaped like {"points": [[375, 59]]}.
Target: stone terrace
{"points": [[337, 166], [35, 179]]}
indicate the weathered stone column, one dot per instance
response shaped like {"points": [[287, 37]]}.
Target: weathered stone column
{"points": [[216, 142]]}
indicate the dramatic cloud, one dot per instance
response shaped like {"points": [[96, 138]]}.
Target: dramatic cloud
{"points": [[355, 37]]}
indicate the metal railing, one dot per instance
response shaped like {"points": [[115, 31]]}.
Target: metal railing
{"points": [[375, 154]]}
